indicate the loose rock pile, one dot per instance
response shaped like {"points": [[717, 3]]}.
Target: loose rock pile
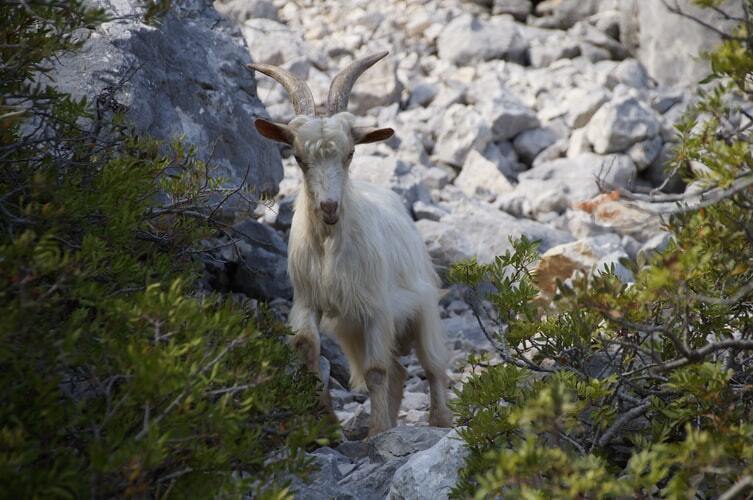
{"points": [[505, 117]]}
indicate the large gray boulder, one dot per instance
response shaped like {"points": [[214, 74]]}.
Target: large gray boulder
{"points": [[430, 474], [461, 130], [402, 442], [505, 113], [575, 178], [667, 44], [185, 77], [621, 123], [479, 229], [257, 263], [366, 474], [467, 40]]}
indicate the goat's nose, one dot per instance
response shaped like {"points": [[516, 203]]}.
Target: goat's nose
{"points": [[329, 207]]}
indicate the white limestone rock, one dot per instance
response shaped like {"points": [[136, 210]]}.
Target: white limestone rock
{"points": [[481, 177], [468, 40], [621, 123], [462, 130]]}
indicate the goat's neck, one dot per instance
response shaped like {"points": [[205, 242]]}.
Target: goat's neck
{"points": [[319, 232]]}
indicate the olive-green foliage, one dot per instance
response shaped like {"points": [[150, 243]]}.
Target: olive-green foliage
{"points": [[116, 377], [668, 413]]}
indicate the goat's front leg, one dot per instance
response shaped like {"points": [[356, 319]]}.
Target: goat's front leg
{"points": [[305, 325], [378, 336]]}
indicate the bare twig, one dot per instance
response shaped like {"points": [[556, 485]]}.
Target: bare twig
{"points": [[738, 296], [622, 421], [737, 488]]}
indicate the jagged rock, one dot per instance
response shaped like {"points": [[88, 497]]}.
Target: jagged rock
{"points": [[562, 14], [480, 177], [562, 261], [284, 216], [535, 197], [338, 363], [653, 246], [464, 328], [257, 263], [272, 41], [357, 426], [371, 481], [377, 87], [380, 170], [401, 442], [578, 144], [422, 94], [432, 473], [595, 39], [519, 9], [331, 467], [438, 177], [186, 78], [445, 243], [530, 143], [468, 40], [620, 124], [542, 53], [664, 99], [462, 130], [656, 172], [577, 176], [354, 450], [668, 44], [644, 153], [422, 210], [609, 214], [483, 231], [629, 72], [582, 103], [507, 114], [503, 155], [415, 401]]}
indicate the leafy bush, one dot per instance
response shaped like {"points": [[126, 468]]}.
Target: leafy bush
{"points": [[117, 377], [632, 391]]}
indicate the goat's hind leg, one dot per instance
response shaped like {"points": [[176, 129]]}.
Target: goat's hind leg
{"points": [[433, 356], [396, 381]]}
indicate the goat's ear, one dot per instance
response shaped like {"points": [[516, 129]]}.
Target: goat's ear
{"points": [[365, 135], [275, 131]]}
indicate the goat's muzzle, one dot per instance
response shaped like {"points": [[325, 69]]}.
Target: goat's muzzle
{"points": [[329, 211]]}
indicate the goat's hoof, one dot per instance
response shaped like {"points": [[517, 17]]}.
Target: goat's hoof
{"points": [[440, 419], [374, 430], [308, 353]]}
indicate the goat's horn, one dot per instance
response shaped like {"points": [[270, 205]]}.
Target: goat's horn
{"points": [[300, 93], [342, 84]]}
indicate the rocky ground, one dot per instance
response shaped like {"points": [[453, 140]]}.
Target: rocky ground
{"points": [[506, 114], [507, 119]]}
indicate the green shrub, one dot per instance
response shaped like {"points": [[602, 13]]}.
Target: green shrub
{"points": [[669, 411], [117, 377]]}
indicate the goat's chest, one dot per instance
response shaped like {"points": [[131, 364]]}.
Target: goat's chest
{"points": [[335, 280]]}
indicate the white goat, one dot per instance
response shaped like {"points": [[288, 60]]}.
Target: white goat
{"points": [[355, 257]]}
